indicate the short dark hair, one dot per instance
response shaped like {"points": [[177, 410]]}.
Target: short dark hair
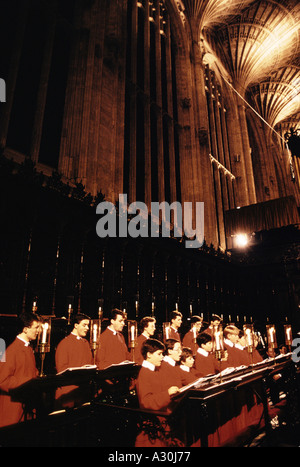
{"points": [[186, 352], [174, 314], [80, 317], [151, 345], [115, 312], [26, 319], [203, 338], [196, 319], [145, 321], [169, 344]]}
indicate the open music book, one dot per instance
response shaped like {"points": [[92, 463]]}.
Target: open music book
{"points": [[125, 362], [75, 368]]}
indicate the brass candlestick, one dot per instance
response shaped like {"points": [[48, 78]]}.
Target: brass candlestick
{"points": [[95, 331], [288, 336], [132, 336], [249, 339], [218, 344], [272, 341], [166, 331], [43, 344]]}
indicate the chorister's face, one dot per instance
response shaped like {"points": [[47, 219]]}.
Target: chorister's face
{"points": [[150, 329], [208, 346], [31, 332], [176, 352], [118, 323], [234, 337], [177, 322], [82, 328], [189, 361], [156, 357]]}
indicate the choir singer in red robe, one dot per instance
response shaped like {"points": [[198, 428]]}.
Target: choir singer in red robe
{"points": [[16, 367], [73, 351], [113, 348], [152, 393]]}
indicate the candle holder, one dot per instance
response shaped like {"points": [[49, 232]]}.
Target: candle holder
{"points": [[166, 331], [100, 308], [34, 305], [249, 339], [271, 337], [195, 334], [218, 344], [70, 310], [43, 343], [95, 331], [132, 336], [288, 336]]}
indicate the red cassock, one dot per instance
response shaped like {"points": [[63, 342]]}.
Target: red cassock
{"points": [[151, 392], [174, 334], [153, 395], [112, 349], [189, 341], [243, 356], [235, 357], [71, 352], [187, 375], [170, 375], [235, 412], [19, 366], [206, 364]]}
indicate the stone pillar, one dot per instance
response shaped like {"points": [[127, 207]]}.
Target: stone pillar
{"points": [[236, 149], [196, 169], [246, 153]]}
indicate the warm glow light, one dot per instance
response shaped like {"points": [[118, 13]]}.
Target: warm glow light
{"points": [[241, 240]]}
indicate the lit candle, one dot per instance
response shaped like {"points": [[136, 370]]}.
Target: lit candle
{"points": [[132, 332], [288, 334], [249, 337], [167, 332], [44, 335], [271, 334], [95, 333], [218, 341]]}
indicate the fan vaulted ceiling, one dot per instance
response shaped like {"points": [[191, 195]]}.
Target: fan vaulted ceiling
{"points": [[257, 43]]}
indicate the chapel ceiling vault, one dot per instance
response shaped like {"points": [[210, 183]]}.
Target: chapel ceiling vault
{"points": [[257, 43]]}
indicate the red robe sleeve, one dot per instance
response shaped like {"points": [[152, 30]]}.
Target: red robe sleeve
{"points": [[151, 394], [112, 349], [18, 367]]}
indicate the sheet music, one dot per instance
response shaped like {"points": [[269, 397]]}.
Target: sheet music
{"points": [[84, 367]]}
